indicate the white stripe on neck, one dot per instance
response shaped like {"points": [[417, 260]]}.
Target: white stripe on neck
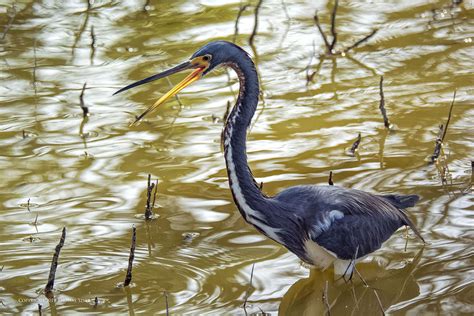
{"points": [[239, 196]]}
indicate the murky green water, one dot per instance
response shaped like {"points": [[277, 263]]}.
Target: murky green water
{"points": [[90, 175]]}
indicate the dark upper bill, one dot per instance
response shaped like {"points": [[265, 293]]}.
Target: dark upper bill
{"points": [[192, 77]]}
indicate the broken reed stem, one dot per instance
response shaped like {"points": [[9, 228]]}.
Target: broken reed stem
{"points": [[166, 302], [438, 143], [362, 40], [330, 182], [326, 300], [149, 203], [255, 26], [449, 117], [248, 290], [236, 26], [386, 122], [128, 277], [442, 133], [330, 48], [92, 44], [54, 263], [355, 145], [85, 109], [318, 25], [333, 27]]}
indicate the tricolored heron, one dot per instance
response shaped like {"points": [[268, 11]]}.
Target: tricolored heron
{"points": [[323, 225]]}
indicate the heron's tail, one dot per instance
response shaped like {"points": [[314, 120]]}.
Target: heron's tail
{"points": [[401, 202]]}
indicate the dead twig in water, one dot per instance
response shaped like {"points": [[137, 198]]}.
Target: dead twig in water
{"points": [[318, 25], [449, 116], [333, 27], [166, 302], [362, 40], [128, 277], [356, 144], [92, 44], [149, 203], [325, 300], [330, 182], [239, 15], [330, 47], [443, 131], [248, 290], [438, 144], [386, 122], [35, 223], [255, 26], [85, 109], [54, 264]]}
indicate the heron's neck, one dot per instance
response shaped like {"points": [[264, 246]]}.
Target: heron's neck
{"points": [[247, 195]]}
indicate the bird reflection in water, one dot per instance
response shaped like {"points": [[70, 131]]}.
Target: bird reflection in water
{"points": [[393, 286]]}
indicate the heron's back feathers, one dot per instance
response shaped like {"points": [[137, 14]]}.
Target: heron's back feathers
{"points": [[349, 223]]}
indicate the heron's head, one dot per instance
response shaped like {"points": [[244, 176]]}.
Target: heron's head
{"points": [[201, 63]]}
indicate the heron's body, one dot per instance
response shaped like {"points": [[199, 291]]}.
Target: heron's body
{"points": [[322, 225]]}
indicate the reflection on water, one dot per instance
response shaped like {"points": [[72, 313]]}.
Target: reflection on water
{"points": [[59, 169], [389, 286]]}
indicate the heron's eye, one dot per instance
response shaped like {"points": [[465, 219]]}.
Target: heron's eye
{"points": [[206, 57]]}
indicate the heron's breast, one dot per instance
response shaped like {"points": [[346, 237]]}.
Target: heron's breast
{"points": [[320, 257]]}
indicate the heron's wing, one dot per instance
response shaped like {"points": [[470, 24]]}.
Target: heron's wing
{"points": [[355, 236], [353, 223]]}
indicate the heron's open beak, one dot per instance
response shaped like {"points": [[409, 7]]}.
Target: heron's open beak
{"points": [[195, 75]]}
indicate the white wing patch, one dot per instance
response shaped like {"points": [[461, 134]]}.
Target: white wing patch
{"points": [[325, 223], [335, 214]]}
